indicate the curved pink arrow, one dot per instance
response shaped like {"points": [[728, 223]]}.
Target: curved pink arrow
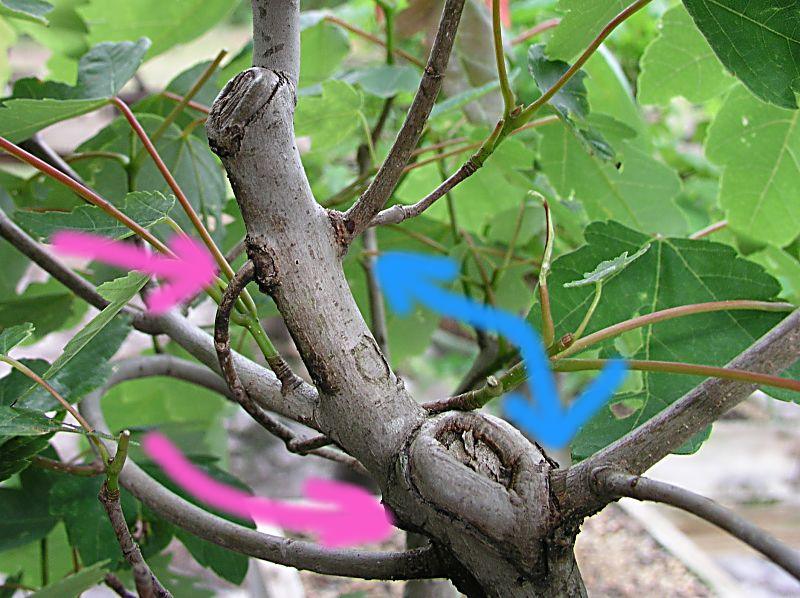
{"points": [[345, 515], [188, 272]]}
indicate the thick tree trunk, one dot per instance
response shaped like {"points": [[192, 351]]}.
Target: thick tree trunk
{"points": [[472, 484]]}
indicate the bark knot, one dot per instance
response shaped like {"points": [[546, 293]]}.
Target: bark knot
{"points": [[239, 103], [263, 258]]}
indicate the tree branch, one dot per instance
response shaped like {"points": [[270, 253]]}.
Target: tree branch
{"points": [[414, 564], [358, 217], [663, 434], [147, 585], [619, 483], [289, 382]]}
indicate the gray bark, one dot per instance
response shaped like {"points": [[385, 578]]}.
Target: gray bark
{"points": [[494, 513]]}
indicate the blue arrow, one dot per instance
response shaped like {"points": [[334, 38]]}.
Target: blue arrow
{"points": [[407, 278]]}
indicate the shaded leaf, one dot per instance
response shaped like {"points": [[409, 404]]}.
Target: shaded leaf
{"points": [[673, 272], [144, 207], [641, 193], [15, 421], [75, 584], [329, 119], [74, 500], [24, 520], [387, 80], [19, 119], [758, 41], [11, 337], [47, 305], [29, 10], [16, 452]]}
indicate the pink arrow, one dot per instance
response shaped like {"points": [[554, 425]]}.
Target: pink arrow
{"points": [[190, 270], [345, 515]]}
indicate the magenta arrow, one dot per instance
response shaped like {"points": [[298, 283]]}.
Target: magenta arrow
{"points": [[345, 515], [191, 269]]}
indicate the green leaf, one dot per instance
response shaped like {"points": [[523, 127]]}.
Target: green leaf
{"points": [[48, 306], [387, 80], [15, 264], [74, 499], [606, 269], [144, 207], [679, 62], [188, 158], [19, 119], [757, 41], [571, 102], [102, 72], [456, 102], [641, 193], [16, 421], [672, 273], [757, 145], [165, 23], [582, 22], [24, 520], [75, 584], [16, 452], [331, 118], [84, 365], [29, 10], [783, 266], [65, 37], [322, 48], [11, 337]]}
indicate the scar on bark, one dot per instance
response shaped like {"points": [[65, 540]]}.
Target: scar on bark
{"points": [[238, 104]]}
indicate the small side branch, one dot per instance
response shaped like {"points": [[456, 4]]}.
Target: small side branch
{"points": [[358, 217], [619, 483], [645, 446], [222, 344], [147, 585]]}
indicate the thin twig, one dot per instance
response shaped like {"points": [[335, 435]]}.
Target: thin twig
{"points": [[39, 148], [669, 314], [509, 100], [288, 380], [673, 367], [620, 483], [90, 470], [665, 432], [359, 216], [114, 582], [709, 230], [535, 30], [373, 39], [173, 184], [83, 191], [190, 104], [548, 328], [399, 212], [147, 585]]}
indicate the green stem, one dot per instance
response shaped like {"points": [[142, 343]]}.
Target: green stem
{"points": [[598, 291], [25, 370], [181, 105], [528, 112], [115, 465], [509, 100], [690, 369], [121, 158], [669, 314], [548, 328]]}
